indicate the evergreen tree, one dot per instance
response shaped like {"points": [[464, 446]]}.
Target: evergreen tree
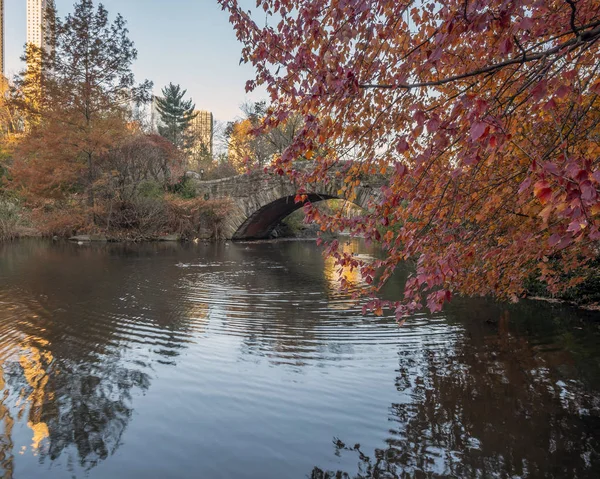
{"points": [[176, 115]]}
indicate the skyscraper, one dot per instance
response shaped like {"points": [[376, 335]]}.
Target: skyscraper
{"points": [[201, 130], [36, 9]]}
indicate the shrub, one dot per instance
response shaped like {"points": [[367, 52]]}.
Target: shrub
{"points": [[193, 218], [63, 219], [139, 218], [184, 188], [150, 189], [11, 219], [586, 292]]}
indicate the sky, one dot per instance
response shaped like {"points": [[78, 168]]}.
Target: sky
{"points": [[189, 42]]}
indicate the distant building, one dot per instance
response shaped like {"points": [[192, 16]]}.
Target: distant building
{"points": [[2, 70], [154, 115], [202, 130], [36, 24]]}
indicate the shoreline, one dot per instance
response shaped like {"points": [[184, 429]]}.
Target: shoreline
{"points": [[167, 238], [585, 307]]}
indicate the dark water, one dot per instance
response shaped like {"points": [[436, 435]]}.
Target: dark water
{"points": [[246, 361]]}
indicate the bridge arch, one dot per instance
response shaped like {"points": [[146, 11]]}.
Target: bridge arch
{"points": [[260, 201]]}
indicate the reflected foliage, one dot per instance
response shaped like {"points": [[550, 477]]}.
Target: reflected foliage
{"points": [[494, 404], [69, 372], [273, 359]]}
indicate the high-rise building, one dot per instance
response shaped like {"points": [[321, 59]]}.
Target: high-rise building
{"points": [[36, 24], [154, 115], [2, 40], [202, 130]]}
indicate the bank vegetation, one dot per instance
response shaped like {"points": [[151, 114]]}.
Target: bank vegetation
{"points": [[76, 155]]}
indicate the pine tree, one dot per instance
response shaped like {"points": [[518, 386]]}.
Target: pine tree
{"points": [[176, 115]]}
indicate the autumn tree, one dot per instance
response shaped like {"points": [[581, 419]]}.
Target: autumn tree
{"points": [[140, 159], [11, 120], [483, 114], [176, 116], [76, 93], [239, 144], [251, 147]]}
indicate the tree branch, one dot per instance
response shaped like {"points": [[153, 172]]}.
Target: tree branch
{"points": [[592, 34]]}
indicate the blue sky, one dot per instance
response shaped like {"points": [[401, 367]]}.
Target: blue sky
{"points": [[189, 42]]}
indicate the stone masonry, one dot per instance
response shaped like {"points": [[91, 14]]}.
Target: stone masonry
{"points": [[261, 200]]}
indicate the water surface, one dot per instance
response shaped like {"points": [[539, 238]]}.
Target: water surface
{"points": [[247, 361]]}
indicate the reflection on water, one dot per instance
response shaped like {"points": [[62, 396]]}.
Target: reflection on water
{"points": [[247, 360]]}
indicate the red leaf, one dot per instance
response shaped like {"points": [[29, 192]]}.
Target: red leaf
{"points": [[506, 46], [576, 226], [554, 240], [433, 125], [478, 130], [436, 54], [582, 175], [420, 117], [588, 192], [551, 168], [526, 184], [402, 145], [400, 169], [564, 242], [549, 105], [562, 91], [540, 90], [542, 191], [526, 23]]}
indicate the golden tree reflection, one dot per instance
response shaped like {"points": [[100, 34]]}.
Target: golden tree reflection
{"points": [[6, 440], [35, 363]]}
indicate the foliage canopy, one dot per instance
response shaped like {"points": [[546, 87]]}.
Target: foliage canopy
{"points": [[484, 114], [76, 95]]}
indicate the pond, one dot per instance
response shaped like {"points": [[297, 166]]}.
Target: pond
{"points": [[245, 360]]}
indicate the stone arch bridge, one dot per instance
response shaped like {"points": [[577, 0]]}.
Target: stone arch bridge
{"points": [[260, 201]]}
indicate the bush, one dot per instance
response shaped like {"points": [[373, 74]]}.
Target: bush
{"points": [[62, 219], [11, 219], [197, 218], [150, 189], [140, 218], [585, 293], [184, 188]]}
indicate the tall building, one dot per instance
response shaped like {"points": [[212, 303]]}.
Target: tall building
{"points": [[36, 9], [2, 71], [202, 130], [154, 115]]}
